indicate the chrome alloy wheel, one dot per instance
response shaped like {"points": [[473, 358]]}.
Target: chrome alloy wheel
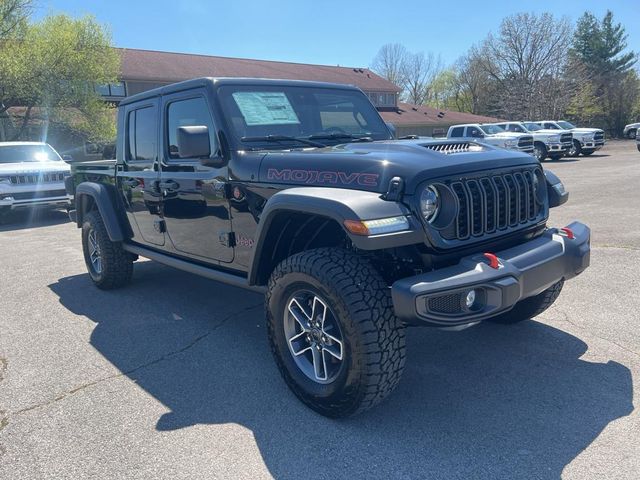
{"points": [[313, 336], [94, 252]]}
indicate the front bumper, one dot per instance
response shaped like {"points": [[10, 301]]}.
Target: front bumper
{"points": [[438, 297], [558, 147], [592, 145], [54, 198]]}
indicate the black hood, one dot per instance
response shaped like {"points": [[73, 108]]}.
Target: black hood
{"points": [[370, 166]]}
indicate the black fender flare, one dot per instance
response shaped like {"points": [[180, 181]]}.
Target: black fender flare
{"points": [[104, 200], [336, 204]]}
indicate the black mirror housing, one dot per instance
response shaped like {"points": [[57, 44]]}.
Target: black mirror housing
{"points": [[67, 158], [194, 142]]}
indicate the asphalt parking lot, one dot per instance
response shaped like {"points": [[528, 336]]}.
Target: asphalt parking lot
{"points": [[172, 377]]}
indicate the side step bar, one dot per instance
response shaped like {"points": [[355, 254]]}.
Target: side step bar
{"points": [[210, 273]]}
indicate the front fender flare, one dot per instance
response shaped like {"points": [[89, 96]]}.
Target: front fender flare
{"points": [[337, 204], [104, 200]]}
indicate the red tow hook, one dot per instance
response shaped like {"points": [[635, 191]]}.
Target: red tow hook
{"points": [[493, 260], [568, 233]]}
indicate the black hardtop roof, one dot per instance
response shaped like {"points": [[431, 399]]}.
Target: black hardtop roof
{"points": [[204, 81]]}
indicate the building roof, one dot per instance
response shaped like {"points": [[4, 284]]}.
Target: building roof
{"points": [[408, 114], [154, 66]]}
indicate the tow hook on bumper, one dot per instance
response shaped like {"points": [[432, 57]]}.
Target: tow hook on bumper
{"points": [[475, 289]]}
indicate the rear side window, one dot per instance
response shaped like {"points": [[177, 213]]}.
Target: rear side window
{"points": [[550, 126], [188, 113], [457, 131], [142, 139]]}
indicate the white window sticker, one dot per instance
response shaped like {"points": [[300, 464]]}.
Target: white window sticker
{"points": [[265, 108]]}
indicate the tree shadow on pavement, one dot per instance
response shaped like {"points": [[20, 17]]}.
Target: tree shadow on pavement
{"points": [[31, 218], [488, 402]]}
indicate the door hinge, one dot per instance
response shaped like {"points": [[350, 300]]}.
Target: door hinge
{"points": [[228, 239]]}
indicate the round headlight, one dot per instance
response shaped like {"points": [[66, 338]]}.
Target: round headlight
{"points": [[429, 203]]}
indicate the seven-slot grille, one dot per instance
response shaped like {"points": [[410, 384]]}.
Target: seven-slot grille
{"points": [[566, 138], [525, 143], [47, 177], [494, 203]]}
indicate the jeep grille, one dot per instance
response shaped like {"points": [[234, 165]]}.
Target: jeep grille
{"points": [[37, 178], [495, 203]]}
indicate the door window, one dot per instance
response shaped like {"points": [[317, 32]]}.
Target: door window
{"points": [[188, 113], [141, 144], [457, 132], [474, 132]]}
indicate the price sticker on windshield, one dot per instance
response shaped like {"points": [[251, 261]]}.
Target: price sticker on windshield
{"points": [[265, 108]]}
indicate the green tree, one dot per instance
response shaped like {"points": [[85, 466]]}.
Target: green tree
{"points": [[51, 68]]}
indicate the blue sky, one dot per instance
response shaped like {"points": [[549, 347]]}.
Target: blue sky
{"points": [[325, 32]]}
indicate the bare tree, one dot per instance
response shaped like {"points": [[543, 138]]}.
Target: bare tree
{"points": [[12, 14], [390, 61], [420, 71]]}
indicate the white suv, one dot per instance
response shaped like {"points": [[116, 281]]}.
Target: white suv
{"points": [[585, 140], [492, 135], [31, 174], [546, 143]]}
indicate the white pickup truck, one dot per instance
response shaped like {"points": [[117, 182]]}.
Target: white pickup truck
{"points": [[585, 140], [546, 143], [492, 135], [31, 174]]}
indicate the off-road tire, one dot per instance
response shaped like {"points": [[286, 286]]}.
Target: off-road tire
{"points": [[373, 337], [117, 264], [540, 151], [576, 150], [530, 307]]}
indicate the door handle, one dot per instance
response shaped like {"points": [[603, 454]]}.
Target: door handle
{"points": [[132, 182], [169, 185]]}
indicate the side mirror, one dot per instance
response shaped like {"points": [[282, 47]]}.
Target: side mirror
{"points": [[193, 142], [67, 158], [392, 129], [555, 190]]}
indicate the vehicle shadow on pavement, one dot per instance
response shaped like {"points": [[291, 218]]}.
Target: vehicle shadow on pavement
{"points": [[488, 402], [31, 218]]}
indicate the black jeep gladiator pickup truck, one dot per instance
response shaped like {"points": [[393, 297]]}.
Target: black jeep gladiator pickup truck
{"points": [[299, 190]]}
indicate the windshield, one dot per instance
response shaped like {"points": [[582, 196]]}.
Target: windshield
{"points": [[532, 127], [491, 129], [566, 125], [28, 153], [263, 115]]}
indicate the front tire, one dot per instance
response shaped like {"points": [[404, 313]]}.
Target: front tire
{"points": [[108, 264], [530, 307], [587, 153], [576, 149], [555, 157], [540, 151], [632, 133], [332, 331]]}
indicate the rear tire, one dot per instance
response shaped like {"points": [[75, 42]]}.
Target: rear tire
{"points": [[109, 265], [530, 307], [540, 151], [357, 303]]}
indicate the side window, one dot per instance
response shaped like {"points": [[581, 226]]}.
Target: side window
{"points": [[503, 125], [457, 132], [141, 143], [550, 126], [474, 132], [186, 113]]}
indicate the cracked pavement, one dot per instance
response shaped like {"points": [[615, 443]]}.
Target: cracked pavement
{"points": [[172, 377]]}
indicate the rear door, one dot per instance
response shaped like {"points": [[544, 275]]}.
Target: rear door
{"points": [[194, 204], [138, 175]]}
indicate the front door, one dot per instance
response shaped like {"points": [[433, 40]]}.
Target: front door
{"points": [[194, 204], [138, 175]]}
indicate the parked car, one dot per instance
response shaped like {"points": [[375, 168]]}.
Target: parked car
{"points": [[31, 174], [631, 130], [546, 143], [352, 235], [585, 140], [492, 135]]}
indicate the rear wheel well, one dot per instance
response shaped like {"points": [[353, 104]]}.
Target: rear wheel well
{"points": [[290, 233]]}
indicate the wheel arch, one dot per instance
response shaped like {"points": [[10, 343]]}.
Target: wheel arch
{"points": [[92, 195], [300, 219]]}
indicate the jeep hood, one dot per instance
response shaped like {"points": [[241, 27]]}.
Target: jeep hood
{"points": [[370, 166], [25, 168]]}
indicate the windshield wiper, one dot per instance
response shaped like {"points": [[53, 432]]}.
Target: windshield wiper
{"points": [[282, 138], [338, 135]]}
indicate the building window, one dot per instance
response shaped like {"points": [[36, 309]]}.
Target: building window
{"points": [[112, 89], [382, 99]]}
